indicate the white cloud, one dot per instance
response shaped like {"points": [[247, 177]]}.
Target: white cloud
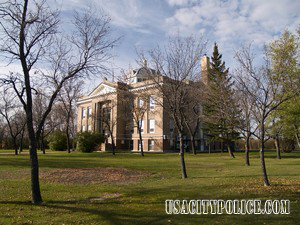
{"points": [[235, 22], [124, 13], [177, 2], [186, 17], [228, 22], [11, 68]]}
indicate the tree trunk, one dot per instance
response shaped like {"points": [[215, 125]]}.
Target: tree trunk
{"points": [[193, 145], [14, 137], [262, 155], [230, 152], [73, 143], [141, 141], [113, 144], [192, 135], [277, 147], [222, 146], [209, 146], [183, 168], [68, 135], [35, 184], [21, 140], [43, 145], [247, 149], [298, 139], [15, 145], [68, 143], [42, 141]]}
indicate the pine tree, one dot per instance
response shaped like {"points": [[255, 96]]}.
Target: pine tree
{"points": [[217, 70], [221, 110]]}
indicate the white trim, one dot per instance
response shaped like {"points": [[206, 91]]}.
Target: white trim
{"points": [[83, 101], [143, 87], [151, 145], [149, 126], [104, 86], [152, 103]]}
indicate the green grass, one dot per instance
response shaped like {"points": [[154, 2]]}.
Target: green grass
{"points": [[214, 176]]}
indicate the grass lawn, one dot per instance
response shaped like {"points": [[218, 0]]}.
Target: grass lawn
{"points": [[214, 176]]}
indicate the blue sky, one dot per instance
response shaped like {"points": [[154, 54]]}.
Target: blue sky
{"points": [[230, 23]]}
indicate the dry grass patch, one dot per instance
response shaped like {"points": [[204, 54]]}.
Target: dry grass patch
{"points": [[14, 174], [105, 196], [278, 186], [93, 176]]}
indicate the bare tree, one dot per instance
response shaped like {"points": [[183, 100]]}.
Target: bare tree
{"points": [[193, 115], [68, 96], [109, 120], [2, 132], [40, 105], [178, 64], [139, 109], [276, 129], [14, 117], [30, 35], [247, 125], [265, 92]]}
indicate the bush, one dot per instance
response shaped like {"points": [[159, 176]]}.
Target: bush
{"points": [[87, 142], [58, 141], [287, 145]]}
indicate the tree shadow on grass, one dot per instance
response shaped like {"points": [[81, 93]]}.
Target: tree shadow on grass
{"points": [[112, 216], [289, 157], [274, 156], [49, 163]]}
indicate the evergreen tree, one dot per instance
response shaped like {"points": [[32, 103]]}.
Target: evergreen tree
{"points": [[221, 110], [217, 70]]}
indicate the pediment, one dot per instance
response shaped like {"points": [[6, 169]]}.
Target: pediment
{"points": [[102, 89]]}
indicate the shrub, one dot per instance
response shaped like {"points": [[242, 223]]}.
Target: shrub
{"points": [[87, 142], [58, 141], [287, 145]]}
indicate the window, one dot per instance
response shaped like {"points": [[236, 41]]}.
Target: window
{"points": [[83, 128], [151, 126], [89, 127], [151, 103], [171, 125], [141, 125], [131, 127], [90, 111], [131, 144], [150, 145], [171, 142], [139, 145], [106, 115], [83, 112], [141, 103]]}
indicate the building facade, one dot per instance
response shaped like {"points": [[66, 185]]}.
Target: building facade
{"points": [[116, 109]]}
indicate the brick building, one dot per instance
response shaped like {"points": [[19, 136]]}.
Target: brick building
{"points": [[108, 110]]}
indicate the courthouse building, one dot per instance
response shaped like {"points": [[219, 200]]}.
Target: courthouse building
{"points": [[108, 110]]}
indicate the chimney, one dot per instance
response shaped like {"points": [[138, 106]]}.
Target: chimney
{"points": [[145, 63], [204, 69]]}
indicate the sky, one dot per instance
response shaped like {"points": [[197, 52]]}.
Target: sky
{"points": [[231, 23], [143, 24]]}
